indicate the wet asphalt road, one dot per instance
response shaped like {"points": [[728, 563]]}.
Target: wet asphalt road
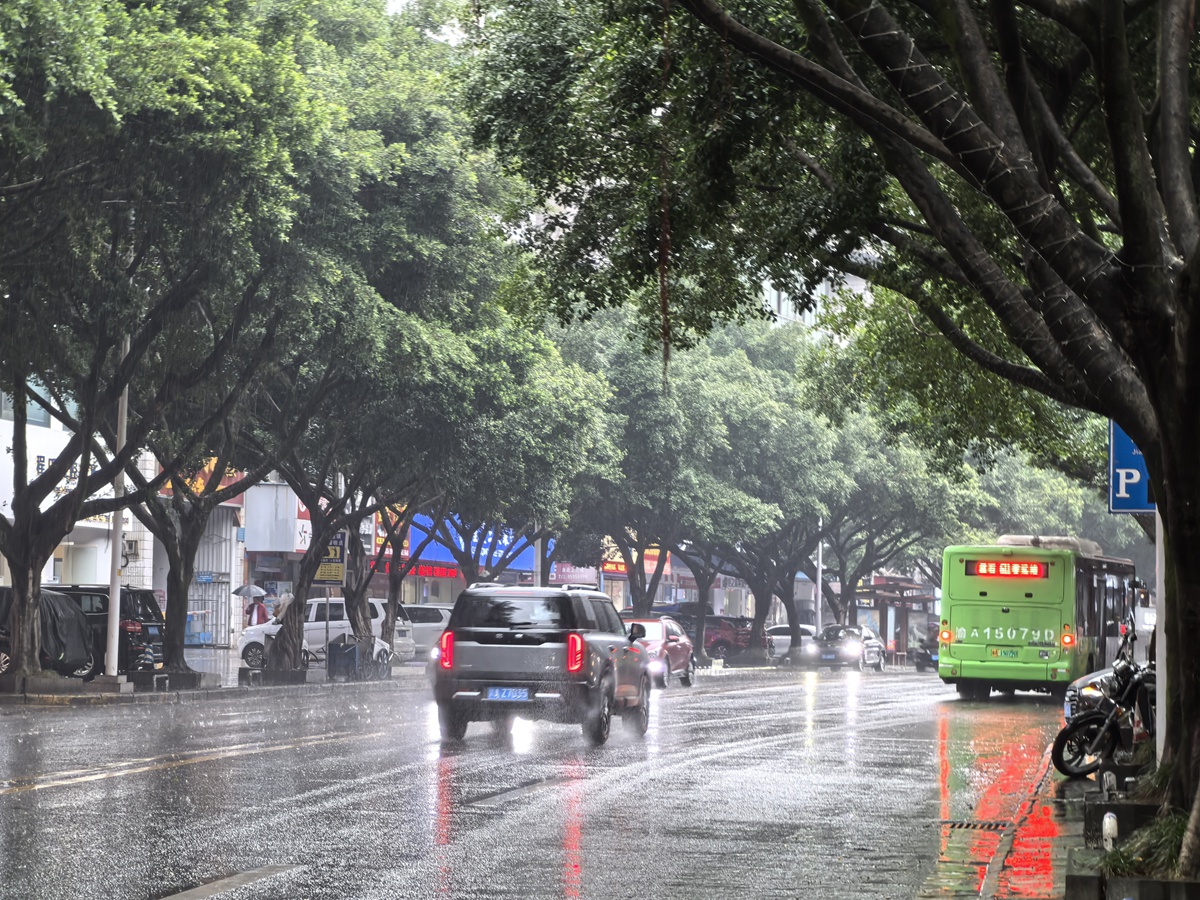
{"points": [[822, 785]]}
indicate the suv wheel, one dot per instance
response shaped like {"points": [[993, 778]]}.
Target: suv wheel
{"points": [[254, 656], [5, 659], [879, 666], [452, 722], [637, 719], [599, 720], [719, 650]]}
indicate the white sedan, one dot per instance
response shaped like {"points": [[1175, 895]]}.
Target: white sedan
{"points": [[326, 620], [780, 638]]}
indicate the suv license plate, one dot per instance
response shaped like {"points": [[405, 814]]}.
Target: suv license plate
{"points": [[508, 695], [828, 656]]}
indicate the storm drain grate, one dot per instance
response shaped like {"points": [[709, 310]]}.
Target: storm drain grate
{"points": [[973, 826]]}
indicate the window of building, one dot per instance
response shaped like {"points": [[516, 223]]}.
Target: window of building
{"points": [[33, 413]]}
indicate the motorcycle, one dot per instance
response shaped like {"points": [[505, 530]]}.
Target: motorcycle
{"points": [[1113, 712], [926, 655]]}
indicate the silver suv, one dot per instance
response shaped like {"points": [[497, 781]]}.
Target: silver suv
{"points": [[541, 653]]}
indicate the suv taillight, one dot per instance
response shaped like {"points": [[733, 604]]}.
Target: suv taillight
{"points": [[446, 650], [574, 652], [132, 626]]}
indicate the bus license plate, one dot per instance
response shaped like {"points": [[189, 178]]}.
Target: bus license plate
{"points": [[1004, 654], [509, 695]]}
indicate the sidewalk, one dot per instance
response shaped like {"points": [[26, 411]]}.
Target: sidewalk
{"points": [[1022, 856]]}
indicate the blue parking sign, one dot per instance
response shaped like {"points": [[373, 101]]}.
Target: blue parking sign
{"points": [[1128, 480]]}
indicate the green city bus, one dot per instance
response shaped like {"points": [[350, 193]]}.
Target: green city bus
{"points": [[1029, 613]]}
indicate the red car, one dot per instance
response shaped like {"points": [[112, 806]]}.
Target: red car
{"points": [[724, 636], [669, 649]]}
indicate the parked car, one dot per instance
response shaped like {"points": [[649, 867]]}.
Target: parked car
{"points": [[779, 638], [724, 636], [669, 649], [320, 629], [429, 620], [840, 646], [542, 653], [140, 639], [66, 642]]}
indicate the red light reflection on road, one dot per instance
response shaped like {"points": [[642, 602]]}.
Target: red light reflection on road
{"points": [[572, 875], [1029, 869], [443, 821], [984, 745]]}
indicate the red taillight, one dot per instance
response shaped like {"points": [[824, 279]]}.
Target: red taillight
{"points": [[574, 652], [132, 626], [446, 650], [945, 635], [1068, 640]]}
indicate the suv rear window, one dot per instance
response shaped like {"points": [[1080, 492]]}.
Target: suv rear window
{"points": [[144, 602], [512, 612]]}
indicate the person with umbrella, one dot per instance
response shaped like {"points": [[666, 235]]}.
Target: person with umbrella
{"points": [[256, 610]]}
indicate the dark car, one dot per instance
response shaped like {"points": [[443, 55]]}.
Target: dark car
{"points": [[66, 639], [841, 646], [140, 639], [539, 653]]}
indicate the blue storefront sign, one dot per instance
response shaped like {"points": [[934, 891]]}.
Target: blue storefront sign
{"points": [[487, 549], [1128, 479]]}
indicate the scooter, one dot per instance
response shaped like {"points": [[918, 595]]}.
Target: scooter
{"points": [[926, 655], [1112, 714]]}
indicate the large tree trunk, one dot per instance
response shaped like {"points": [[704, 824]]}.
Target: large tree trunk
{"points": [[787, 598], [358, 580], [179, 577], [181, 535], [761, 588], [25, 624], [1180, 509], [285, 650]]}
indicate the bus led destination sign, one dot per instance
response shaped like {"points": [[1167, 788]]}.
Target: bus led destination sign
{"points": [[1006, 569]]}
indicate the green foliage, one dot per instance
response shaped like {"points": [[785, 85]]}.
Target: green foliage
{"points": [[636, 132], [1152, 850], [881, 352]]}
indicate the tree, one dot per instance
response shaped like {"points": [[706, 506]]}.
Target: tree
{"points": [[995, 165], [146, 194], [639, 497], [533, 427], [898, 507]]}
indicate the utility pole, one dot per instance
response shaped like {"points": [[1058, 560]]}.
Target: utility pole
{"points": [[117, 535], [817, 593]]}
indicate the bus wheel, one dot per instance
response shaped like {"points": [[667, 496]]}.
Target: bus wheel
{"points": [[973, 690]]}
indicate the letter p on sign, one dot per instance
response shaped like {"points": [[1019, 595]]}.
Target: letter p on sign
{"points": [[1128, 479]]}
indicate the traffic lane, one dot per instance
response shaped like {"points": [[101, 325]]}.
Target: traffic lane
{"points": [[740, 762], [138, 801]]}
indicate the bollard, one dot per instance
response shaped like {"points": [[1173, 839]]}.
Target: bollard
{"points": [[1109, 830]]}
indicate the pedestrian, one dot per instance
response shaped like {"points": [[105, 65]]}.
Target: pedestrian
{"points": [[256, 612]]}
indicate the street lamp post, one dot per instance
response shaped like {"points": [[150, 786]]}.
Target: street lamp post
{"points": [[817, 597]]}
